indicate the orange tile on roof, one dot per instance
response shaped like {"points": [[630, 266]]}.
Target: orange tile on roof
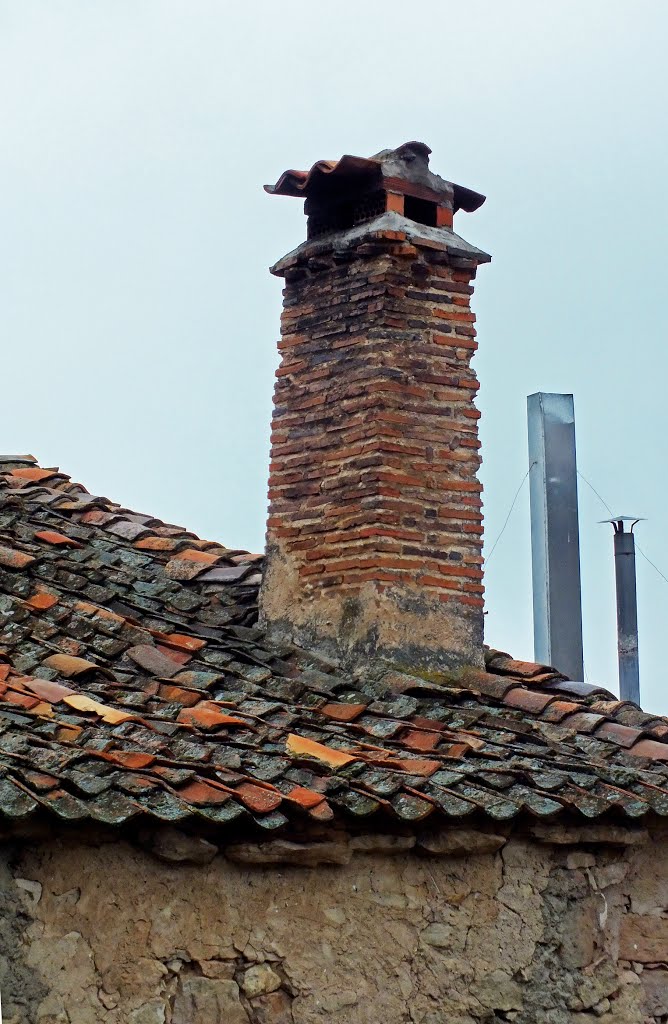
{"points": [[300, 746], [57, 539], [41, 601]]}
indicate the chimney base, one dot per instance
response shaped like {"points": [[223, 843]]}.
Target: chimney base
{"points": [[376, 621]]}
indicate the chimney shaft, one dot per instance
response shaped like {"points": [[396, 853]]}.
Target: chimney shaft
{"points": [[374, 540]]}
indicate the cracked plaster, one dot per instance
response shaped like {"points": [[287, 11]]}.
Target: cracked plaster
{"points": [[530, 933]]}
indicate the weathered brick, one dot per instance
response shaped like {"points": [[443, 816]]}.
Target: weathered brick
{"points": [[374, 440]]}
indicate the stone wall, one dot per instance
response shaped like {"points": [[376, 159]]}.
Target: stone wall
{"points": [[551, 929]]}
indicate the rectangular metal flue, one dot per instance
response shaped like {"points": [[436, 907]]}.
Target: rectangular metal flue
{"points": [[555, 543]]}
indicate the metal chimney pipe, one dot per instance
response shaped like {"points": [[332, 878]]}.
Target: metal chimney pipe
{"points": [[627, 608], [555, 543]]}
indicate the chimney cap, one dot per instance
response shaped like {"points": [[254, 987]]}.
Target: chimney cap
{"points": [[405, 167]]}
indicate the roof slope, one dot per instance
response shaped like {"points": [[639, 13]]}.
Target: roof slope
{"points": [[135, 684]]}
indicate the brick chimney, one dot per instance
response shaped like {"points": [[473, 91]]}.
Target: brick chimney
{"points": [[374, 537]]}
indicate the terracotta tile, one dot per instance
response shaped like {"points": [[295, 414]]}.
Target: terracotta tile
{"points": [[69, 646], [321, 812], [457, 750], [415, 766], [582, 721], [34, 474], [126, 530], [187, 643], [108, 714], [193, 679], [129, 758], [68, 733], [69, 666], [157, 544], [207, 715], [610, 708], [215, 587], [175, 693], [104, 613], [199, 792], [21, 699], [523, 669], [624, 735], [343, 712], [180, 657], [195, 555], [153, 661], [41, 601], [421, 722], [576, 689], [86, 608], [528, 700], [56, 539], [10, 558], [559, 709], [306, 798], [650, 748], [258, 799], [300, 746], [40, 781], [489, 684], [96, 517], [417, 739], [182, 570], [46, 689]]}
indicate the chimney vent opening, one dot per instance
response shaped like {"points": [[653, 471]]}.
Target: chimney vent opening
{"points": [[344, 214], [423, 211]]}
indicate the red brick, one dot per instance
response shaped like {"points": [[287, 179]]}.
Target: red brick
{"points": [[365, 485]]}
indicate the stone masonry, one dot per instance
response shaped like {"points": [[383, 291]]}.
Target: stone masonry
{"points": [[563, 926], [375, 523]]}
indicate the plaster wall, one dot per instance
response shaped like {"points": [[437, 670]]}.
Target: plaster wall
{"points": [[534, 932]]}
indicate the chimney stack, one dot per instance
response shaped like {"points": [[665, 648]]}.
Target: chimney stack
{"points": [[374, 537]]}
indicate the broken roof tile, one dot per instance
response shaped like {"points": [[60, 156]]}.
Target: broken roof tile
{"points": [[300, 746], [208, 715]]}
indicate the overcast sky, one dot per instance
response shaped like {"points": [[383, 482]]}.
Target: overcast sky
{"points": [[137, 317]]}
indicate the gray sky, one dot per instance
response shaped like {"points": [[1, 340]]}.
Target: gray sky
{"points": [[139, 322]]}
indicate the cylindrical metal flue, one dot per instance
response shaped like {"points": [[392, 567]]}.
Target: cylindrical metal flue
{"points": [[627, 608]]}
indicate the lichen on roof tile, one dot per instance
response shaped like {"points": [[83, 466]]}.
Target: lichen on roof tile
{"points": [[129, 689]]}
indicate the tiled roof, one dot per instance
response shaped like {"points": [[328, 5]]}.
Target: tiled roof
{"points": [[134, 684]]}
